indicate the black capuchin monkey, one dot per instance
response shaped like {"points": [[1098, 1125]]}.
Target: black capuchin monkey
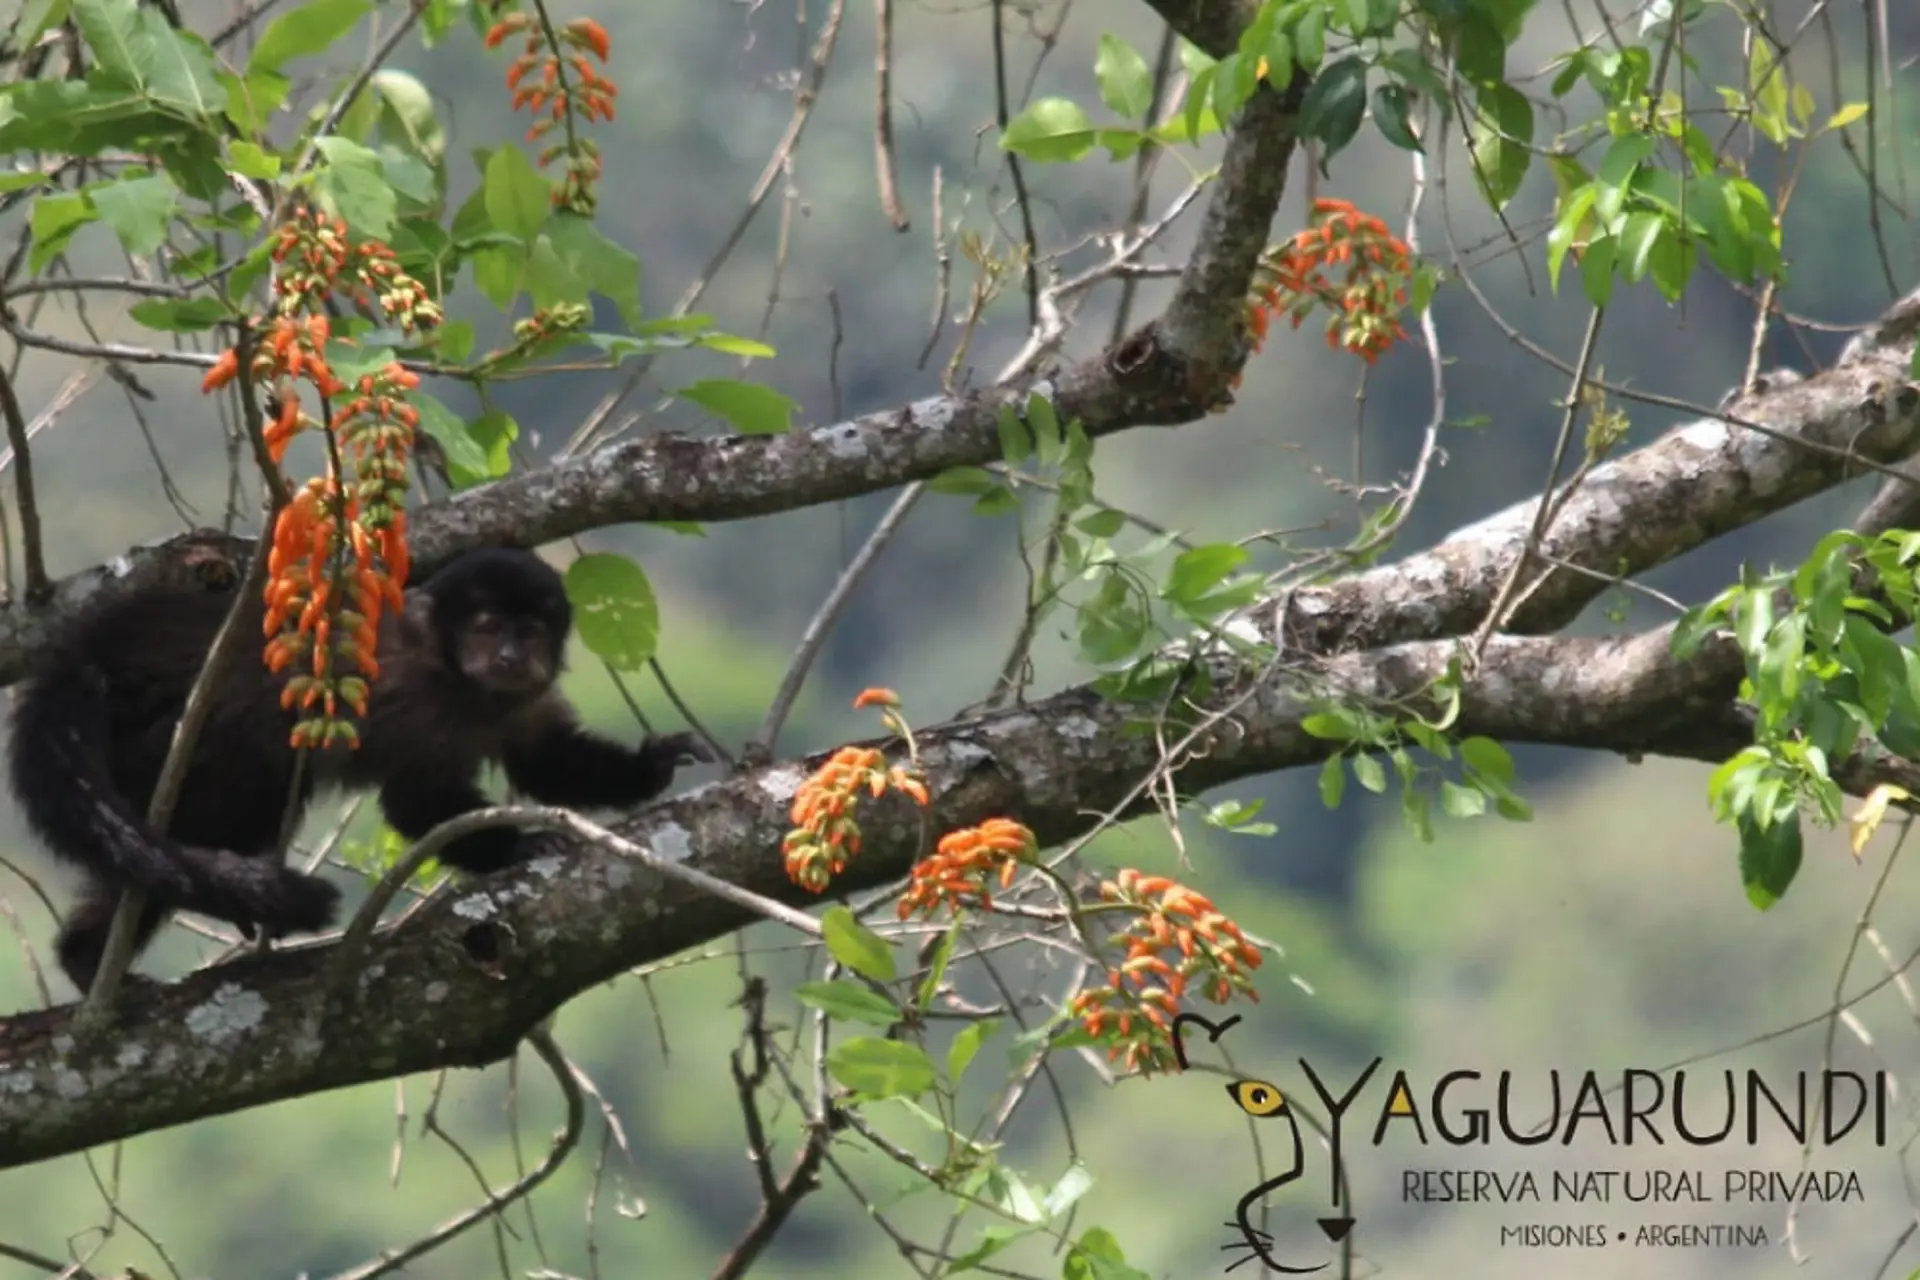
{"points": [[467, 675]]}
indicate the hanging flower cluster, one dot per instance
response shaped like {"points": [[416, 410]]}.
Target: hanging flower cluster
{"points": [[959, 872], [553, 78], [339, 550], [1364, 300], [1178, 940], [825, 836]]}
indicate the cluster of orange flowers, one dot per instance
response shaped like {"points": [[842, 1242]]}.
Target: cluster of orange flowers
{"points": [[958, 873], [1365, 302], [1178, 939], [334, 636], [316, 260], [825, 836], [339, 546], [537, 82]]}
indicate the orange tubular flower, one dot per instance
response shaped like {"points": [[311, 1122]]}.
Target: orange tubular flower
{"points": [[1177, 942], [1364, 302]]}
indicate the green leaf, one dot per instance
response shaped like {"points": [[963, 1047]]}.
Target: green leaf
{"points": [[1488, 758], [754, 409], [877, 1068], [1104, 523], [614, 609], [1050, 130], [518, 199], [494, 432], [449, 432], [54, 221], [1457, 801], [1769, 858], [1097, 1256], [1369, 773], [846, 1001], [550, 281], [1073, 1184], [966, 1044], [1333, 782], [1390, 107], [306, 30], [856, 946], [110, 28], [1335, 105], [1637, 241], [965, 481], [611, 271], [38, 18], [408, 115], [1198, 569], [1845, 116], [250, 160], [1016, 442], [252, 101], [937, 965], [354, 186], [1501, 142], [1126, 83], [138, 210], [992, 1240], [179, 315], [496, 272]]}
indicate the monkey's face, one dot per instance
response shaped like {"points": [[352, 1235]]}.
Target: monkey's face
{"points": [[514, 656]]}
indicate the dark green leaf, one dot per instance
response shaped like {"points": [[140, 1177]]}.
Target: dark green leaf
{"points": [[1390, 107], [1335, 105], [966, 481], [1769, 859]]}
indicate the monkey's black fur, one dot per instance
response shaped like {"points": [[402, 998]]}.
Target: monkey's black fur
{"points": [[467, 674]]}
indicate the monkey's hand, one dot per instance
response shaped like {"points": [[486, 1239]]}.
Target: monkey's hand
{"points": [[682, 748]]}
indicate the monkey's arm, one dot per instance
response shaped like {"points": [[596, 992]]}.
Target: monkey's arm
{"points": [[417, 801], [555, 761]]}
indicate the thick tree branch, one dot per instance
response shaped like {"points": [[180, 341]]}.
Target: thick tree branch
{"points": [[464, 979]]}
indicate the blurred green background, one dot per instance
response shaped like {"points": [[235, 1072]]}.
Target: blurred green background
{"points": [[1609, 933]]}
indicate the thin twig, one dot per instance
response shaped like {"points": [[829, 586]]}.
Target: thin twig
{"points": [[883, 116], [823, 619], [39, 587], [497, 1202]]}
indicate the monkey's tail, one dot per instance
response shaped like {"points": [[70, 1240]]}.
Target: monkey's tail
{"points": [[61, 779]]}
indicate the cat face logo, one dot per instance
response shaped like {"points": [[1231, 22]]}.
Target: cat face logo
{"points": [[1262, 1101]]}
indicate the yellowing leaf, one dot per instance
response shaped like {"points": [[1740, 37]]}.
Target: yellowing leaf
{"points": [[1867, 818]]}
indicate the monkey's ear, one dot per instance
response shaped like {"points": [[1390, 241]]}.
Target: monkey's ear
{"points": [[416, 619]]}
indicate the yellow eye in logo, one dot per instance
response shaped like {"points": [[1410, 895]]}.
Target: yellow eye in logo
{"points": [[1257, 1097]]}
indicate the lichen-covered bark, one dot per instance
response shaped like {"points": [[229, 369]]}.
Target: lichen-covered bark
{"points": [[462, 981]]}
